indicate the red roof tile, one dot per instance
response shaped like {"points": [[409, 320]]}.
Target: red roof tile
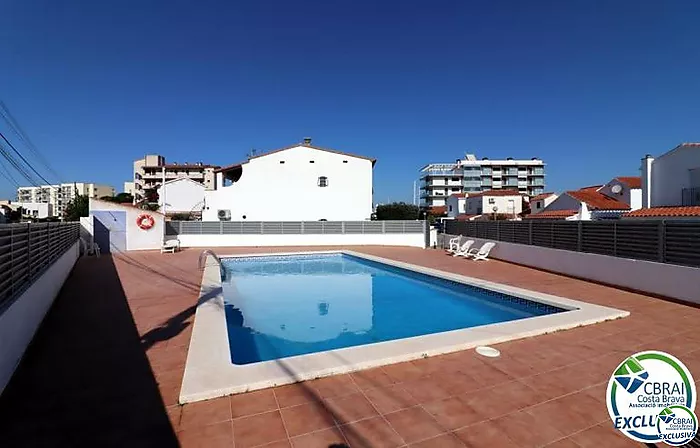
{"points": [[459, 195], [597, 201], [437, 210], [552, 214], [591, 188], [541, 196], [689, 211], [496, 193], [631, 181]]}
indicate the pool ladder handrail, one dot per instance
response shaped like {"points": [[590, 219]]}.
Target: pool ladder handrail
{"points": [[203, 258]]}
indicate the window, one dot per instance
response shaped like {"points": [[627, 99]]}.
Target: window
{"points": [[311, 161], [455, 179], [450, 208], [345, 161], [492, 201], [323, 181], [281, 162]]}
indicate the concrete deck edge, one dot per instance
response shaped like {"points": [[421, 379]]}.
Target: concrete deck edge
{"points": [[209, 372]]}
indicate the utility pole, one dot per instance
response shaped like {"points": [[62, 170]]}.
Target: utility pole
{"points": [[414, 192]]}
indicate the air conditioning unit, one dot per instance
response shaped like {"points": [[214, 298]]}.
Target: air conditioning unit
{"points": [[224, 215]]}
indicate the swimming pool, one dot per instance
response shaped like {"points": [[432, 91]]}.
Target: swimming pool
{"points": [[299, 316], [282, 306]]}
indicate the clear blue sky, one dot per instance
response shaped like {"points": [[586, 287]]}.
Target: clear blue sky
{"points": [[589, 86]]}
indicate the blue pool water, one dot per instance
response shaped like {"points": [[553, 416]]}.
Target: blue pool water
{"points": [[280, 306]]}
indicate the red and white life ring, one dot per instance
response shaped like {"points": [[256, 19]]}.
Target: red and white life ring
{"points": [[145, 221]]}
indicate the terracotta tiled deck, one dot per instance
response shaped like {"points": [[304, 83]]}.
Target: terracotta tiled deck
{"points": [[106, 367]]}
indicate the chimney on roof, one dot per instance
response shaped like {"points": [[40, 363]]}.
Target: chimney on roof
{"points": [[307, 141], [646, 170]]}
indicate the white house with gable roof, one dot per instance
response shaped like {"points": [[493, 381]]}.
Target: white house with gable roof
{"points": [[182, 196], [456, 204], [297, 183]]}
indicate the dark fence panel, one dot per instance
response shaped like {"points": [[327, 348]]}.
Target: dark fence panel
{"points": [[676, 242], [27, 250], [598, 237], [639, 240], [565, 235], [682, 243]]}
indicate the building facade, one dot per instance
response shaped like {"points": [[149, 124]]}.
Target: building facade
{"points": [[181, 196], [129, 187], [672, 179], [58, 196], [151, 171], [456, 204], [470, 175], [297, 183], [594, 203], [507, 203], [541, 201]]}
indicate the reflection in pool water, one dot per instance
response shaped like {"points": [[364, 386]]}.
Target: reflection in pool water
{"points": [[282, 306]]}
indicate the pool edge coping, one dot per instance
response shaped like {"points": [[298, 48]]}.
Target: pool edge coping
{"points": [[209, 372]]}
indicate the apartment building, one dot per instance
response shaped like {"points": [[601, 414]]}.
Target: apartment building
{"points": [[471, 175], [58, 196], [152, 170]]}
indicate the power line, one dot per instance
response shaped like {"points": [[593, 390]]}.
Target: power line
{"points": [[6, 115], [9, 176], [16, 165], [23, 159]]}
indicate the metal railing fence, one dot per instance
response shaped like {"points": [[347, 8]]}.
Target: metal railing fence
{"points": [[292, 227], [676, 242], [690, 196], [27, 250]]}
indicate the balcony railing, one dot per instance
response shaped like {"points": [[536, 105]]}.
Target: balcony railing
{"points": [[27, 250], [690, 196]]}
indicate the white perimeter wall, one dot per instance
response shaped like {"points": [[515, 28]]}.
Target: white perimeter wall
{"points": [[271, 191], [21, 320], [678, 282], [390, 239], [136, 238]]}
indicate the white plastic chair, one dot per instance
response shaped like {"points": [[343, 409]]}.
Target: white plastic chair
{"points": [[170, 246], [463, 251], [482, 253]]}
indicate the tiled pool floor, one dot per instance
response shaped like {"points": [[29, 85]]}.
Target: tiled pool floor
{"points": [[106, 368]]}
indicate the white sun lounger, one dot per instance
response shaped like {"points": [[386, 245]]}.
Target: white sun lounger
{"points": [[453, 244], [482, 253], [170, 246], [463, 251]]}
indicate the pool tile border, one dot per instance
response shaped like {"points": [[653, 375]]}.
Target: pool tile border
{"points": [[209, 372]]}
